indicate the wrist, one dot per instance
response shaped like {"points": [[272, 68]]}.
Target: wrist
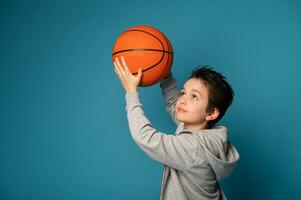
{"points": [[131, 90]]}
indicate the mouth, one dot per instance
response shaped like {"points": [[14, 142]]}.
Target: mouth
{"points": [[181, 110]]}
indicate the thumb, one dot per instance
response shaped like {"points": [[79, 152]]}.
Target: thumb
{"points": [[140, 72]]}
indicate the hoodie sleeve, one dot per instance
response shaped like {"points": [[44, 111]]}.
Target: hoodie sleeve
{"points": [[176, 151], [169, 90]]}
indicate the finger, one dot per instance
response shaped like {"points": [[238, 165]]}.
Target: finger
{"points": [[117, 70], [121, 70], [140, 72], [125, 65]]}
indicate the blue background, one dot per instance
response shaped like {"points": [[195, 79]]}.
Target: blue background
{"points": [[64, 132]]}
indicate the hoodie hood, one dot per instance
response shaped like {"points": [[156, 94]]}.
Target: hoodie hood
{"points": [[221, 154]]}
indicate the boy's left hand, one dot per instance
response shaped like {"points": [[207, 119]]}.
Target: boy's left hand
{"points": [[127, 79]]}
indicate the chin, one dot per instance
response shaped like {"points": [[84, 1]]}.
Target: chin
{"points": [[179, 119], [189, 121]]}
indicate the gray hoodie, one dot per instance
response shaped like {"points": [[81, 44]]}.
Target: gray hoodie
{"points": [[194, 161]]}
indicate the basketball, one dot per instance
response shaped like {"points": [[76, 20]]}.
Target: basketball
{"points": [[148, 48]]}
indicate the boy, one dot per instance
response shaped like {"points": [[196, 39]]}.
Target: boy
{"points": [[199, 154]]}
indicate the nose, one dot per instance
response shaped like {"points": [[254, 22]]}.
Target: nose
{"points": [[182, 100]]}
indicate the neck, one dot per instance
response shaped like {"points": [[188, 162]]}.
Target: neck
{"points": [[195, 127]]}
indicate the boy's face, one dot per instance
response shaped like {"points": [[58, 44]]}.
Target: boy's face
{"points": [[192, 103]]}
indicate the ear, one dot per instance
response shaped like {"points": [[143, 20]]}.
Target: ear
{"points": [[213, 115]]}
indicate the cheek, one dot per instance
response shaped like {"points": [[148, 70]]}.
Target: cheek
{"points": [[198, 110], [177, 103]]}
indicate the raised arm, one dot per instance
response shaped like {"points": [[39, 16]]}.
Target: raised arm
{"points": [[176, 151], [171, 94]]}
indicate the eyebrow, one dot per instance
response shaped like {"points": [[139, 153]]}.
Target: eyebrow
{"points": [[194, 91]]}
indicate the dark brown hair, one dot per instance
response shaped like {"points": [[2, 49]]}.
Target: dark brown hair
{"points": [[220, 93]]}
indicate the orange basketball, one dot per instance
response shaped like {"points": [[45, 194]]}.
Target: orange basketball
{"points": [[146, 47]]}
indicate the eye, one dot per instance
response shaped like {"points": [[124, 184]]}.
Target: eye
{"points": [[194, 97], [182, 93]]}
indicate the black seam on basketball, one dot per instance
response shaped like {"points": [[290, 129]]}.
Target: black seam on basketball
{"points": [[168, 50], [121, 51], [148, 68], [167, 41], [159, 78], [163, 51], [169, 44], [149, 34]]}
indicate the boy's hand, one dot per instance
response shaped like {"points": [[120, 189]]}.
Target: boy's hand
{"points": [[128, 80]]}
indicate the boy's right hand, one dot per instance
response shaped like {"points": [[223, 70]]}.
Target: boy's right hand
{"points": [[129, 81]]}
